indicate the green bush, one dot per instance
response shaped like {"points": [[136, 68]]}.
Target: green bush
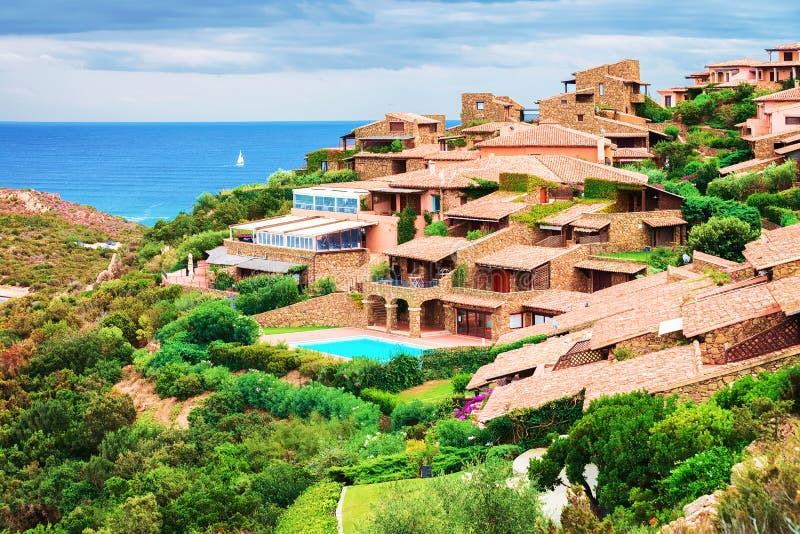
{"points": [[460, 275], [472, 235], [437, 228], [263, 356], [792, 197], [760, 201], [323, 286], [122, 321], [672, 131], [724, 237], [650, 109], [460, 382], [267, 293], [737, 156], [776, 214], [406, 229], [412, 413], [314, 512], [444, 363], [384, 400], [399, 373], [456, 433], [381, 469], [379, 271], [338, 176], [177, 380], [789, 218], [223, 280], [780, 177], [701, 474]]}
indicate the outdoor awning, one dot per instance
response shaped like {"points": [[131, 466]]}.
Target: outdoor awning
{"points": [[625, 267], [219, 256], [663, 222], [252, 226], [325, 229], [472, 301]]}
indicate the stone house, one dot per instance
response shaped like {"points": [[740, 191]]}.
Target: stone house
{"points": [[371, 165], [776, 254], [410, 128], [482, 132], [486, 107], [776, 113], [616, 86]]}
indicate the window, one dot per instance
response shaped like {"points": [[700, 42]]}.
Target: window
{"points": [[580, 118], [515, 320], [792, 120], [396, 126], [479, 104], [304, 202], [436, 203], [668, 101], [346, 205], [323, 166], [542, 319], [563, 101], [787, 56], [601, 89]]}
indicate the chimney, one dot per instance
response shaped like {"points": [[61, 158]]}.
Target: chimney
{"points": [[432, 167]]}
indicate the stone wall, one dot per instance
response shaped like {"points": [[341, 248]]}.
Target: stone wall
{"points": [[489, 244], [493, 110], [702, 262], [567, 114], [702, 390], [627, 232], [564, 275], [651, 342], [785, 270], [369, 168], [346, 267], [335, 309], [714, 343], [765, 148]]}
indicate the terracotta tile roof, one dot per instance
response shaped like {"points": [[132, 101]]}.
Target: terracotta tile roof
{"points": [[358, 184], [570, 214], [788, 149], [781, 245], [621, 124], [714, 260], [548, 135], [472, 301], [698, 74], [654, 372], [459, 176], [772, 135], [663, 222], [745, 62], [786, 292], [527, 358], [412, 117], [491, 207], [557, 300], [575, 171], [725, 309], [789, 95], [787, 46], [590, 223], [632, 153], [673, 90], [791, 139], [627, 80], [428, 248], [522, 257], [608, 266], [494, 126], [749, 164]]}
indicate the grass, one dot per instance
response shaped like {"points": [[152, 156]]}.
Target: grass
{"points": [[643, 257], [431, 391], [360, 501], [267, 331]]}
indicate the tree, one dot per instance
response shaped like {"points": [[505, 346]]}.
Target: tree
{"points": [[437, 228], [677, 155], [722, 236], [324, 286], [216, 320], [137, 515], [406, 229]]}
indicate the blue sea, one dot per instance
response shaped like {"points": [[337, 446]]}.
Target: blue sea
{"points": [[147, 171]]}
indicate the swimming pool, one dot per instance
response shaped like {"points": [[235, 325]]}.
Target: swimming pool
{"points": [[370, 347]]}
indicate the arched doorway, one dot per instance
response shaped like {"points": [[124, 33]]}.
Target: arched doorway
{"points": [[432, 315], [401, 314]]}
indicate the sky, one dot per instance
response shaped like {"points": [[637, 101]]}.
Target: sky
{"points": [[250, 60]]}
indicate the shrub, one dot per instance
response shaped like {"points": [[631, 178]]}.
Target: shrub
{"points": [[762, 200], [412, 413], [724, 237], [406, 229], [437, 228], [460, 382], [672, 131], [624, 353], [379, 271], [342, 175], [384, 400], [177, 380], [223, 280], [324, 286], [263, 356], [314, 512], [457, 433], [122, 321], [381, 469], [789, 218], [216, 320], [792, 197], [780, 177], [460, 275], [472, 235], [278, 291], [698, 475], [444, 363], [776, 214]]}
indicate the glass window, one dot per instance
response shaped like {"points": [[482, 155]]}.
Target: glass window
{"points": [[335, 241], [515, 320], [396, 126], [563, 101], [323, 166], [346, 205], [436, 203], [602, 89], [792, 120], [304, 202], [346, 239], [355, 237], [580, 118], [542, 319], [479, 104]]}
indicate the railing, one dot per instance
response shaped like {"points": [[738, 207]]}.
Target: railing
{"points": [[413, 283], [554, 241]]}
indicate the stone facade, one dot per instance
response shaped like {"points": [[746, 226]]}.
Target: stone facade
{"points": [[346, 267], [714, 344], [335, 309], [651, 342], [702, 390], [703, 262], [784, 270], [764, 148], [614, 86], [422, 134], [369, 167], [495, 109], [627, 232]]}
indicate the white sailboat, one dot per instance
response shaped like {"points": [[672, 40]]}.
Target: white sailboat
{"points": [[240, 160]]}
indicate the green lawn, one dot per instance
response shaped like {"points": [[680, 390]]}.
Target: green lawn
{"points": [[266, 331], [431, 391], [360, 501]]}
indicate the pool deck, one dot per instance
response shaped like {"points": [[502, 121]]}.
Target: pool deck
{"points": [[432, 341]]}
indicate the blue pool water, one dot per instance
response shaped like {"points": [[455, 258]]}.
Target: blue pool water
{"points": [[370, 347]]}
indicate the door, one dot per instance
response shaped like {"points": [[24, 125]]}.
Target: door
{"points": [[501, 281], [474, 323]]}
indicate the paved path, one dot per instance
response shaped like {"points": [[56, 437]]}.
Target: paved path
{"points": [[552, 501]]}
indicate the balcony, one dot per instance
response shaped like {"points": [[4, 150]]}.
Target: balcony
{"points": [[637, 98], [412, 282]]}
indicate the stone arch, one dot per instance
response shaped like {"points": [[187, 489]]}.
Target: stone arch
{"points": [[376, 310], [401, 309], [432, 315]]}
